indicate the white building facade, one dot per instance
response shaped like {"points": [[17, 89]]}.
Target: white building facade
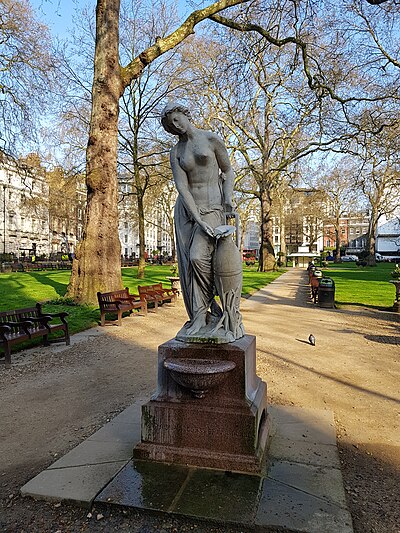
{"points": [[157, 238], [388, 237], [24, 210]]}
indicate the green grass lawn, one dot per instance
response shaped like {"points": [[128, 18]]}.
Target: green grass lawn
{"points": [[366, 286], [24, 289]]}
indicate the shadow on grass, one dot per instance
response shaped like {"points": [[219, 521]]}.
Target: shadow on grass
{"points": [[46, 279], [343, 305], [371, 312]]}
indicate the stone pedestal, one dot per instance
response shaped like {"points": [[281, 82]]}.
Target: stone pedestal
{"points": [[226, 429]]}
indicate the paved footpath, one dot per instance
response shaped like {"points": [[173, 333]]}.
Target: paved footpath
{"points": [[340, 377], [303, 489], [344, 371]]}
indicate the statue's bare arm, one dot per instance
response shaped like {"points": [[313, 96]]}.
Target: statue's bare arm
{"points": [[224, 164], [182, 185]]}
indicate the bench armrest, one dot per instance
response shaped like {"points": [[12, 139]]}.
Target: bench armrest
{"points": [[42, 319], [117, 303], [130, 298], [4, 330], [62, 314], [24, 324], [18, 324], [150, 297]]}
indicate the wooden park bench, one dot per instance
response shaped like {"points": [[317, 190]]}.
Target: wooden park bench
{"points": [[157, 294], [166, 294], [119, 302], [314, 284], [20, 325]]}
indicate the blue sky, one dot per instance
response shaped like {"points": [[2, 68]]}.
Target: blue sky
{"points": [[58, 14]]}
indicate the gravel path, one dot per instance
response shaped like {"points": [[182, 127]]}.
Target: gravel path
{"points": [[52, 399]]}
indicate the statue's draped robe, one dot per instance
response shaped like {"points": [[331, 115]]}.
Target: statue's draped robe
{"points": [[195, 253]]}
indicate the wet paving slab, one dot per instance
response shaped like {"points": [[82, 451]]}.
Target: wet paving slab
{"points": [[300, 490], [217, 495]]}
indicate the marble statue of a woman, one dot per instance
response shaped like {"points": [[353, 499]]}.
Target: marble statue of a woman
{"points": [[204, 180]]}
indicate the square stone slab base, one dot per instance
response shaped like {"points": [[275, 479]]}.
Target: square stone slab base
{"points": [[301, 490]]}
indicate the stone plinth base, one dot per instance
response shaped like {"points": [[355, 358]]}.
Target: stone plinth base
{"points": [[227, 429]]}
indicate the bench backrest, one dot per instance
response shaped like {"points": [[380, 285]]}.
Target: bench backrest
{"points": [[16, 315], [19, 315], [107, 298], [145, 289], [149, 289]]}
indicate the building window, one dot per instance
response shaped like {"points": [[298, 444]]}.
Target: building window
{"points": [[328, 243], [343, 231], [126, 238]]}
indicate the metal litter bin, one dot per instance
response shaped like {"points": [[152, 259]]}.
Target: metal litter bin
{"points": [[326, 292]]}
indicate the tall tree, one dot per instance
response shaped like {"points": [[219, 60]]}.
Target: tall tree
{"points": [[97, 261], [341, 196], [96, 266], [266, 113], [141, 156], [26, 64], [379, 179]]}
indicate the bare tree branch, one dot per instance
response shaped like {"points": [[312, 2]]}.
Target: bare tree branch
{"points": [[134, 69]]}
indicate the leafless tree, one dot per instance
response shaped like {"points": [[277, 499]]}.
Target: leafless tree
{"points": [[141, 152], [341, 197], [26, 65], [379, 178], [97, 262]]}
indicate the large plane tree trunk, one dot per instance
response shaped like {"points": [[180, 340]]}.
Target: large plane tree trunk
{"points": [[371, 239], [97, 263], [142, 244], [267, 255], [337, 243]]}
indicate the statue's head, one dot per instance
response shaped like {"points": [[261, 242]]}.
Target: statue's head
{"points": [[173, 107]]}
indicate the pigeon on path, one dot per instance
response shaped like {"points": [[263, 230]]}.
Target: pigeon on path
{"points": [[311, 340]]}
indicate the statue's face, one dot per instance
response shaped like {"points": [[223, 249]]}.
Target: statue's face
{"points": [[178, 122]]}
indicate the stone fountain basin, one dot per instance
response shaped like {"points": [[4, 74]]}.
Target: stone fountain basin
{"points": [[198, 375]]}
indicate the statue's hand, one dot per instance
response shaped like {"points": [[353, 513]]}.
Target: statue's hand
{"points": [[207, 228], [228, 208]]}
